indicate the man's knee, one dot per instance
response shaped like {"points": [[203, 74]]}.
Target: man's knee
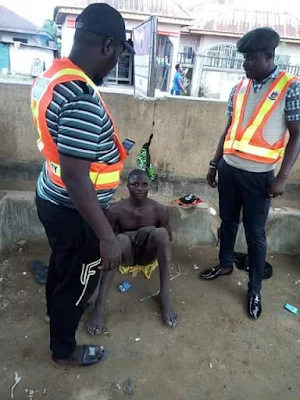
{"points": [[124, 241], [126, 249], [255, 236], [161, 236], [125, 245]]}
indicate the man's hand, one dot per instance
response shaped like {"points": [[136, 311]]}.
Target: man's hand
{"points": [[111, 254], [142, 235], [75, 174], [211, 177], [277, 187]]}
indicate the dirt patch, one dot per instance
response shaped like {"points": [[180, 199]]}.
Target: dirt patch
{"points": [[215, 352]]}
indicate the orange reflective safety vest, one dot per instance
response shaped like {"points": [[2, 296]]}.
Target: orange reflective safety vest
{"points": [[248, 142], [103, 176]]}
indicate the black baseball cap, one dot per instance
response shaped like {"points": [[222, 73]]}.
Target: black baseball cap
{"points": [[103, 20]]}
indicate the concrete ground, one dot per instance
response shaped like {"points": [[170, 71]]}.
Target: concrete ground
{"points": [[216, 352]]}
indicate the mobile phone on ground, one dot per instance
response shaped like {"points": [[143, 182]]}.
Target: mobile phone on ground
{"points": [[128, 144]]}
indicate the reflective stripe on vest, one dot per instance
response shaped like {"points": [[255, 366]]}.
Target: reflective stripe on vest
{"points": [[238, 107], [40, 87], [103, 178], [238, 139], [254, 150], [102, 175]]}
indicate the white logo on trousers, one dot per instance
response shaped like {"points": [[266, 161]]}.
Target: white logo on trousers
{"points": [[86, 272]]}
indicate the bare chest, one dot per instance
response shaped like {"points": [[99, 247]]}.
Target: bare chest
{"points": [[137, 218]]}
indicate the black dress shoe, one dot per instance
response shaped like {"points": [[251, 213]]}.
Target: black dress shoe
{"points": [[254, 305], [214, 273]]}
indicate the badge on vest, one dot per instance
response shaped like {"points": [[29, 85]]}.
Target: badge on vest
{"points": [[273, 96], [53, 167]]}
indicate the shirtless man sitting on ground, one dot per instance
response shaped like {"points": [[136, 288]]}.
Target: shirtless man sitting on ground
{"points": [[142, 227]]}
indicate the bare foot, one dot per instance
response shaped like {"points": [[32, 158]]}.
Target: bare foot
{"points": [[169, 315], [96, 322]]}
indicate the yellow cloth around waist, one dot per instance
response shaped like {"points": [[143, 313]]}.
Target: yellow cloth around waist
{"points": [[134, 270]]}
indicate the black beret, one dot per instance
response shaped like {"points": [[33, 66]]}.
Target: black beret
{"points": [[260, 39]]}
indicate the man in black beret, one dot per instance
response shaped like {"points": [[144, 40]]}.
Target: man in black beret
{"points": [[261, 110]]}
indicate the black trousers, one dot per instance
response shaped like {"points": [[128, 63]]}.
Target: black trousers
{"points": [[73, 272], [247, 191]]}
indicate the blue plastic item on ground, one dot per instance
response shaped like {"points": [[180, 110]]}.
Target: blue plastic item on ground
{"points": [[291, 308], [124, 286]]}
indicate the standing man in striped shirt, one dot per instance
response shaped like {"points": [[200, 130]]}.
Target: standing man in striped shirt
{"points": [[84, 159]]}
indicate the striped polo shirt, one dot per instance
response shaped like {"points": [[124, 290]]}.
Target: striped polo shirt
{"points": [[81, 128]]}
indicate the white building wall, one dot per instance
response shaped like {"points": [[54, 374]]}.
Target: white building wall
{"points": [[293, 50], [21, 58], [9, 36], [218, 84], [188, 40]]}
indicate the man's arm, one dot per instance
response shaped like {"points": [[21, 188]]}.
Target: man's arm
{"points": [[113, 218], [219, 152], [164, 221], [292, 115], [292, 151], [180, 84], [212, 172], [75, 174], [79, 128]]}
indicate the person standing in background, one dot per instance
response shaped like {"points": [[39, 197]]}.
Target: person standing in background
{"points": [[178, 87], [261, 109]]}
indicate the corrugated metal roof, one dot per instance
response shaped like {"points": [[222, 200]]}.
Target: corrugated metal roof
{"points": [[12, 21], [166, 8], [240, 21]]}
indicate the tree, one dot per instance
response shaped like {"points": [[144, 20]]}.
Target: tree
{"points": [[50, 27]]}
